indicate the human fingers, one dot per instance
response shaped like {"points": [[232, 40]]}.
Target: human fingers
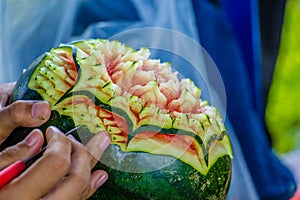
{"points": [[97, 145], [45, 173], [5, 92], [23, 150], [98, 178], [23, 113], [80, 183]]}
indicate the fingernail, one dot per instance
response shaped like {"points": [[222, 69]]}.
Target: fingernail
{"points": [[31, 139], [38, 110], [104, 140], [53, 130], [101, 180], [72, 138]]}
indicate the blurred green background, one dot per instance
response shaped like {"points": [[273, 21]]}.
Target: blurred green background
{"points": [[283, 110]]}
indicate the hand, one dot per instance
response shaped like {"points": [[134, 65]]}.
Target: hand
{"points": [[20, 113], [63, 172]]}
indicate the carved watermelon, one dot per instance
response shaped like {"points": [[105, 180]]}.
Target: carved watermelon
{"points": [[166, 142]]}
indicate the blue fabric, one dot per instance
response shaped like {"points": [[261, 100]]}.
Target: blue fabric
{"points": [[243, 17], [28, 28], [272, 179], [103, 10]]}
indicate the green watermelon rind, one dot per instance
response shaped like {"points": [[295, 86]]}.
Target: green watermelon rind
{"points": [[177, 181]]}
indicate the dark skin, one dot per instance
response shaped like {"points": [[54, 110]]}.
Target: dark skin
{"points": [[64, 171]]}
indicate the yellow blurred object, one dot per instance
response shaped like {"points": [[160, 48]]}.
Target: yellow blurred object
{"points": [[283, 112]]}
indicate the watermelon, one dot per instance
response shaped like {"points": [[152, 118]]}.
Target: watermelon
{"points": [[167, 143]]}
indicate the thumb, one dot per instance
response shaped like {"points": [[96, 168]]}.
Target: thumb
{"points": [[23, 150], [23, 113]]}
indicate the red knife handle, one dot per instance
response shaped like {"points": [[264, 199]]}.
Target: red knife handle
{"points": [[11, 171]]}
